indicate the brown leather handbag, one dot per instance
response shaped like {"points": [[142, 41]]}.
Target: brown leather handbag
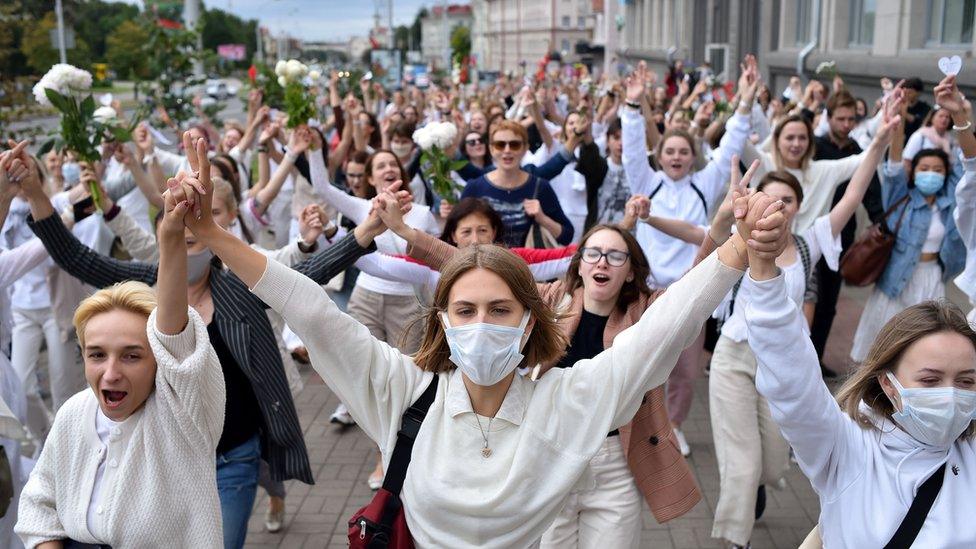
{"points": [[867, 258]]}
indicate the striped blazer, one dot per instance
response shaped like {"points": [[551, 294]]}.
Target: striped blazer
{"points": [[241, 320]]}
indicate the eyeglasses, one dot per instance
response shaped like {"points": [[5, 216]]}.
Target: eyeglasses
{"points": [[473, 142], [514, 146], [615, 258]]}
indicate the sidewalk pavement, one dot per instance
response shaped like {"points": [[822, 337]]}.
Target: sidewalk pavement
{"points": [[342, 460]]}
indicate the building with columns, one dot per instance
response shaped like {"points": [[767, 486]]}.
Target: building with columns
{"points": [[435, 32]]}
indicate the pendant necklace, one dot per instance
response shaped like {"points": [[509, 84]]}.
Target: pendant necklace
{"points": [[486, 451]]}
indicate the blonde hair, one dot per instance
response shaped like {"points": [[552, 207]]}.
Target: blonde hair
{"points": [[546, 342], [135, 297], [900, 333], [223, 190]]}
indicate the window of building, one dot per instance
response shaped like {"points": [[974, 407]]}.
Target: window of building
{"points": [[720, 21], [862, 22], [581, 22], [803, 20], [567, 21], [565, 45], [951, 22]]}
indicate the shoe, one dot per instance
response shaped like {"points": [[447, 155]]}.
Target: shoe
{"points": [[274, 520], [760, 501], [341, 416], [375, 481], [682, 443]]}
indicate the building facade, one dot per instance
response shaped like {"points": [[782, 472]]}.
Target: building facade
{"points": [[435, 32], [517, 31], [867, 39]]}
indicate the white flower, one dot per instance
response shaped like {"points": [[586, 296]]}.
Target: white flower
{"points": [[440, 134], [64, 79], [105, 115], [423, 138], [314, 75], [295, 70], [282, 81], [280, 67]]}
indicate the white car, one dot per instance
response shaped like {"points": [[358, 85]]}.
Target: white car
{"points": [[218, 89]]}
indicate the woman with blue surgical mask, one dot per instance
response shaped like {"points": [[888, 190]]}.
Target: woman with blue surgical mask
{"points": [[497, 455], [929, 250], [895, 448]]}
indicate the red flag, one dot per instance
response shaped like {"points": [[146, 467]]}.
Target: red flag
{"points": [[169, 23], [252, 73], [373, 43]]}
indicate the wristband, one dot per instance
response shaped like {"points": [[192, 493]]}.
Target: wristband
{"points": [[632, 104], [262, 148], [111, 213], [969, 124]]}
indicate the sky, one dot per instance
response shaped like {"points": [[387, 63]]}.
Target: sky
{"points": [[319, 20]]}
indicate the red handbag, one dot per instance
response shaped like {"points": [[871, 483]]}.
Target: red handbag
{"points": [[866, 259], [381, 524]]}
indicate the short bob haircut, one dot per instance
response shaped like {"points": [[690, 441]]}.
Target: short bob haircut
{"points": [[900, 333], [786, 178], [131, 296], [811, 149], [472, 206], [546, 342], [639, 265]]}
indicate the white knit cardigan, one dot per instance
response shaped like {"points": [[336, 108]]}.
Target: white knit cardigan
{"points": [[165, 491]]}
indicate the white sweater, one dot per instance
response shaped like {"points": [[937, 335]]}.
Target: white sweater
{"points": [[965, 213], [542, 437], [866, 477], [165, 491]]}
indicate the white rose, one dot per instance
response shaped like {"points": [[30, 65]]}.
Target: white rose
{"points": [[282, 81], [443, 134], [314, 75], [105, 115], [280, 67], [40, 95], [423, 138], [293, 70]]}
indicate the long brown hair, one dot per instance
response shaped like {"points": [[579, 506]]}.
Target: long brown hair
{"points": [[900, 333], [546, 342], [639, 265]]}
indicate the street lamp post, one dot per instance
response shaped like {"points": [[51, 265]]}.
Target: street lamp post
{"points": [[59, 13]]}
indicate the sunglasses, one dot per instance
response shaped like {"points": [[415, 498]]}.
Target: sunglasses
{"points": [[473, 142], [500, 145], [615, 258]]}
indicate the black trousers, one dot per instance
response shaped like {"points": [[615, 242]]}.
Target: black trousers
{"points": [[828, 290]]}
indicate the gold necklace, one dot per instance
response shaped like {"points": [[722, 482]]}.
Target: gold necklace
{"points": [[486, 451]]}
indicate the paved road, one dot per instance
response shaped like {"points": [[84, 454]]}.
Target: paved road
{"points": [[342, 461]]}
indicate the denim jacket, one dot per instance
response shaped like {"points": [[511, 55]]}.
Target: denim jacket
{"points": [[915, 227]]}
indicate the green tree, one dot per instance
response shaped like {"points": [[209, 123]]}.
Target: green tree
{"points": [[220, 27], [415, 29], [35, 44], [124, 52], [460, 43], [94, 21], [401, 37]]}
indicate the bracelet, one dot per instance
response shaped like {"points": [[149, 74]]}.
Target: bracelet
{"points": [[112, 212], [745, 259], [969, 124], [262, 148], [632, 104]]}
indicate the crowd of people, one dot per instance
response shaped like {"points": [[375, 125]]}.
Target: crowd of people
{"points": [[600, 236]]}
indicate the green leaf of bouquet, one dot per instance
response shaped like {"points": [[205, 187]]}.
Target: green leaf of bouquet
{"points": [[458, 164], [88, 107], [59, 101], [46, 147]]}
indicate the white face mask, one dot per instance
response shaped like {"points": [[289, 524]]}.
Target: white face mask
{"points": [[486, 353], [934, 415], [196, 265]]}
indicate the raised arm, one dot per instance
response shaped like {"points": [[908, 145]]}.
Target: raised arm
{"points": [[353, 207], [171, 285], [297, 144], [634, 137], [71, 255], [12, 172], [788, 376], [864, 174]]}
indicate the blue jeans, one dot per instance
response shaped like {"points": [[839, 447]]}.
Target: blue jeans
{"points": [[237, 484]]}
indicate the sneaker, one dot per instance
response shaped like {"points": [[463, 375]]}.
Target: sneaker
{"points": [[274, 520], [341, 416], [682, 443]]}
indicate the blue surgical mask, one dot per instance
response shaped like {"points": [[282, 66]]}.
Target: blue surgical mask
{"points": [[71, 172], [929, 183], [934, 415]]}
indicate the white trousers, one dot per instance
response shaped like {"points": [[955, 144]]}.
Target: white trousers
{"points": [[67, 375], [748, 445], [603, 513]]}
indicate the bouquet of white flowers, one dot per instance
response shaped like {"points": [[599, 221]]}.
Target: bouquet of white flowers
{"points": [[299, 103], [434, 139], [83, 127], [827, 69]]}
